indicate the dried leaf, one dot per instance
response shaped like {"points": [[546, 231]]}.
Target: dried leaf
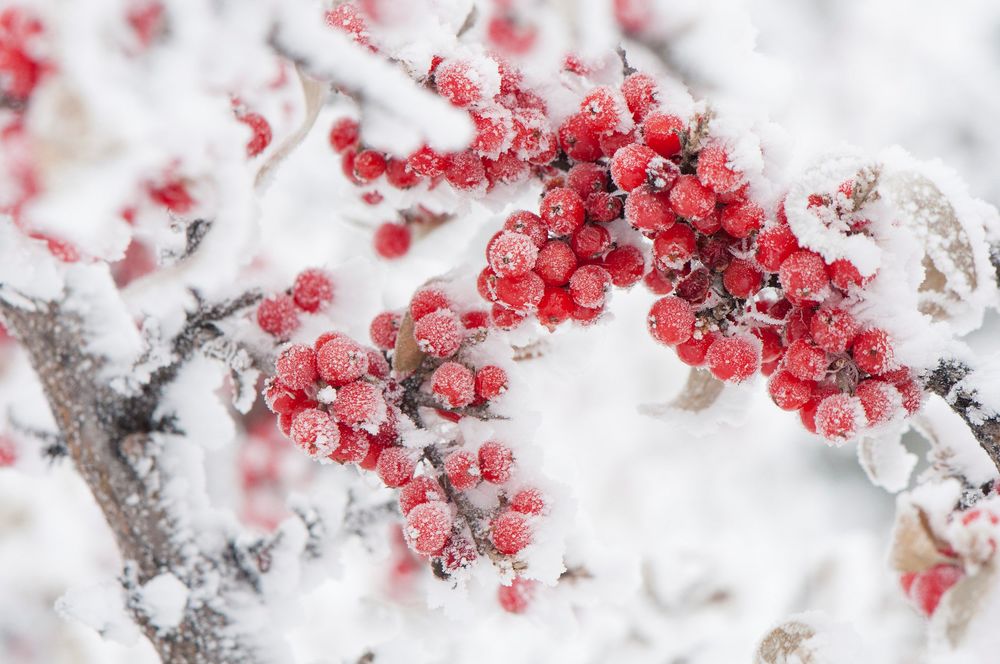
{"points": [[786, 641], [314, 93], [886, 461], [407, 356], [914, 547], [964, 601], [699, 393]]}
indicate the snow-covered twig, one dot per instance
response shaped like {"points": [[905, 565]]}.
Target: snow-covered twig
{"points": [[946, 381]]}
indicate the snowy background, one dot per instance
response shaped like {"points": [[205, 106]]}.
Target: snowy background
{"points": [[710, 531]]}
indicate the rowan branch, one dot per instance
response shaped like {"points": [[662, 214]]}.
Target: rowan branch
{"points": [[946, 380]]}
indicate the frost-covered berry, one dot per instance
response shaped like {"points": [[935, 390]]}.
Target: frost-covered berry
{"points": [[516, 598], [556, 263], [465, 171], [426, 301], [880, 399], [578, 140], [805, 360], [833, 329], [419, 490], [462, 470], [344, 134], [400, 174], [690, 199], [733, 359], [625, 264], [662, 133], [803, 277], [603, 109], [384, 329], [693, 351], [774, 245], [555, 308], [360, 405], [395, 467], [602, 207], [913, 396], [843, 274], [562, 211], [630, 164], [714, 171], [354, 447], [296, 366], [261, 132], [511, 254], [788, 391], [589, 286], [671, 321], [510, 533], [428, 163], [453, 384], [369, 165], [674, 246], [929, 586], [491, 382], [741, 219], [528, 501], [277, 315], [590, 241], [458, 82], [523, 293], [313, 289], [506, 318], [439, 334], [839, 417], [741, 278], [428, 527], [648, 210], [392, 240], [640, 94], [873, 352], [495, 461], [528, 223], [587, 178], [315, 432], [341, 360]]}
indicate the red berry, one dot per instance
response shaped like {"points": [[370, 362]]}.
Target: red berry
{"points": [[657, 282], [516, 597], [369, 165], [392, 240], [630, 164], [528, 223], [741, 219], [839, 417], [590, 241], [341, 360], [476, 320], [555, 308], [833, 329], [589, 286], [803, 277], [690, 199], [694, 288], [453, 384], [771, 348], [880, 399], [587, 178], [296, 366], [648, 210], [428, 163], [843, 274], [808, 412], [523, 293], [466, 171], [774, 245], [741, 279], [873, 352], [615, 141], [510, 533], [384, 329], [662, 133], [714, 171], [486, 284], [603, 207], [395, 467], [693, 351], [505, 318], [912, 395], [640, 95], [315, 432], [438, 334], [344, 134], [261, 137], [428, 527], [733, 359], [533, 139], [930, 585], [491, 382], [671, 321], [528, 501], [277, 315], [806, 361], [400, 174], [419, 490], [360, 405], [426, 301], [603, 109], [578, 139], [495, 461], [625, 264], [562, 211], [512, 254], [674, 247], [354, 447], [462, 471], [312, 290], [458, 83], [789, 392]]}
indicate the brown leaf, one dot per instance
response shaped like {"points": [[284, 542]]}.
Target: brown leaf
{"points": [[699, 393], [407, 356], [784, 642], [914, 547], [963, 602]]}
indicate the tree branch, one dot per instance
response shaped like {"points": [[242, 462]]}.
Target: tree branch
{"points": [[946, 381]]}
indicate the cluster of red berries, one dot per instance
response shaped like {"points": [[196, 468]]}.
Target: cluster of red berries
{"points": [[341, 401], [21, 67], [278, 314]]}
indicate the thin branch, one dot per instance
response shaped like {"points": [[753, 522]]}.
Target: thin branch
{"points": [[946, 381]]}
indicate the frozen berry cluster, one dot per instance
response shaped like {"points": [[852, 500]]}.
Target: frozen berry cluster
{"points": [[340, 401], [278, 314]]}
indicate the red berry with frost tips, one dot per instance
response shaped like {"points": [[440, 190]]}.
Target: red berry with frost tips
{"points": [[839, 417], [428, 163], [807, 414], [505, 169], [428, 527], [491, 382], [657, 282], [377, 365], [590, 241], [843, 274], [695, 287], [384, 329], [589, 286], [562, 211], [277, 315], [438, 334], [495, 461], [556, 263], [615, 141], [714, 171], [360, 405], [354, 447], [369, 165], [261, 137], [741, 279], [462, 470], [465, 171], [797, 323], [395, 467], [671, 321], [510, 35], [533, 140], [662, 133], [400, 174], [344, 134], [312, 290], [523, 293], [516, 598], [457, 82], [693, 351], [587, 178], [296, 366], [806, 361], [913, 396], [741, 219], [419, 490], [494, 132], [579, 140], [649, 210], [505, 318], [662, 174], [528, 501], [475, 320], [929, 586], [486, 284], [453, 384], [625, 264], [426, 301], [341, 360], [528, 223], [555, 308], [640, 94], [315, 432], [733, 359], [690, 199], [880, 399], [803, 277], [674, 246], [833, 329], [873, 352], [603, 207], [788, 391], [512, 254], [510, 533], [603, 109], [630, 164]]}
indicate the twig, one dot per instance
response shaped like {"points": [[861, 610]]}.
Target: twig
{"points": [[946, 381]]}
